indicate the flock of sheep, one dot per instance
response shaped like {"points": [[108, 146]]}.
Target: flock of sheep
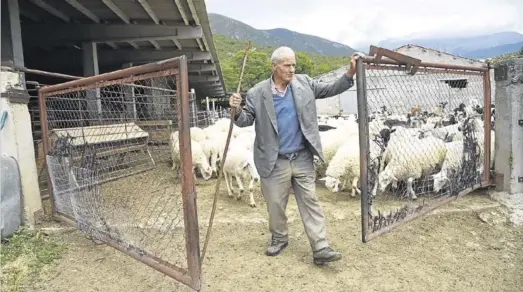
{"points": [[403, 148]]}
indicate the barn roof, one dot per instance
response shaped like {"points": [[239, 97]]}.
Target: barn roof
{"points": [[125, 31]]}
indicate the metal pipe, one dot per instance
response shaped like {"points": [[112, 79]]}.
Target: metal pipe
{"points": [[147, 68], [487, 126], [384, 60], [174, 272], [363, 125], [192, 233], [40, 72], [150, 87], [426, 209]]}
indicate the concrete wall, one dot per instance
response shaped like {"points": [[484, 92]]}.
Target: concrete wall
{"points": [[16, 140], [399, 92], [509, 132], [434, 56]]}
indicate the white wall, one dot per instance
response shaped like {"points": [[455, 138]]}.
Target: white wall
{"points": [[16, 140], [399, 92]]}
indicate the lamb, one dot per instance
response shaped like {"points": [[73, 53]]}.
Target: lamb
{"points": [[411, 158], [198, 157], [344, 167], [240, 164], [330, 141], [211, 149], [453, 160], [197, 134], [452, 163], [448, 133]]}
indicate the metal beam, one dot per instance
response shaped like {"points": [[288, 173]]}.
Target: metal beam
{"points": [[136, 56], [179, 5], [50, 9], [177, 43], [112, 6], [89, 15], [203, 79], [201, 67], [149, 11], [98, 33], [84, 10], [196, 18]]}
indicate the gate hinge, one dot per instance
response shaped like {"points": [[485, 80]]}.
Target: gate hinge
{"points": [[520, 179], [411, 64], [520, 122]]}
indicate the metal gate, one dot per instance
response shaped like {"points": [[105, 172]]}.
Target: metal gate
{"points": [[109, 146], [427, 141]]}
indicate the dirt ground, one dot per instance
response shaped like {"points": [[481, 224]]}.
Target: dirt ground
{"points": [[466, 245]]}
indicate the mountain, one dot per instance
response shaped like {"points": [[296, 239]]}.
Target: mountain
{"points": [[479, 46], [223, 25], [495, 51]]}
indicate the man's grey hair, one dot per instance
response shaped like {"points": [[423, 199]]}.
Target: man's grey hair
{"points": [[281, 53]]}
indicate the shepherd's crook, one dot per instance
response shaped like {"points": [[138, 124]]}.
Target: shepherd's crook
{"points": [[224, 156]]}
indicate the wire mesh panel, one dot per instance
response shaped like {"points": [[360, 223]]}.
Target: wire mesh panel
{"points": [[426, 139], [118, 170]]}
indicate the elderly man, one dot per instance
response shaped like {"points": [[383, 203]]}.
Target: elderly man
{"points": [[287, 137]]}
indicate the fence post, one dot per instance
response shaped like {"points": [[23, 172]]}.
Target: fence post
{"points": [[509, 126], [487, 126], [194, 112], [363, 124], [192, 238]]}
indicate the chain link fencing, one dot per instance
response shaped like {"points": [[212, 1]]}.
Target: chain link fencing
{"points": [[110, 151], [426, 139]]}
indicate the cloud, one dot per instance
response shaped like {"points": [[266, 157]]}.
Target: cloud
{"points": [[358, 23]]}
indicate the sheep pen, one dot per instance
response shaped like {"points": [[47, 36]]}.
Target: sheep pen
{"points": [[128, 191]]}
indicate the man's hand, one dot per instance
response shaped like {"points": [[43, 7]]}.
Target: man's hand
{"points": [[352, 65], [235, 101]]}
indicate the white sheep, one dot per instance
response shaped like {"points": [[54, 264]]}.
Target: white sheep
{"points": [[211, 149], [411, 158], [197, 134], [198, 157], [240, 164], [452, 163], [344, 168], [330, 142]]}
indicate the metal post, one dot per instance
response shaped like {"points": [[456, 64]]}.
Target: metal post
{"points": [[194, 112], [192, 238], [361, 88], [487, 126]]}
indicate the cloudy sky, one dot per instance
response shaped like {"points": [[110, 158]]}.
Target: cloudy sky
{"points": [[358, 23]]}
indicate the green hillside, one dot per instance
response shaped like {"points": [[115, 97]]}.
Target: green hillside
{"points": [[231, 51]]}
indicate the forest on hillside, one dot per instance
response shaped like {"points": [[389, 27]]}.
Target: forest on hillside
{"points": [[231, 52]]}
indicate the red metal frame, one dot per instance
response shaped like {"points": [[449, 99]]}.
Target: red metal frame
{"points": [[176, 67], [388, 60]]}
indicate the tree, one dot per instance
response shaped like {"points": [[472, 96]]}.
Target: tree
{"points": [[521, 51], [303, 64], [257, 68]]}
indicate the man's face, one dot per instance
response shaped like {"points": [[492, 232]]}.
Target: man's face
{"points": [[284, 70]]}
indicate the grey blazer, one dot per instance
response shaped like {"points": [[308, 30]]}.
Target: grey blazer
{"points": [[259, 106]]}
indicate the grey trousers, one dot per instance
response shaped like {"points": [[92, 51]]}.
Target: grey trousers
{"points": [[300, 174]]}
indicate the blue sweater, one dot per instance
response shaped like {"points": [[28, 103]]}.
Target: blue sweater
{"points": [[289, 131]]}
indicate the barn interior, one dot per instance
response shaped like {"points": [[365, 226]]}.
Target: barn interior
{"points": [[81, 38]]}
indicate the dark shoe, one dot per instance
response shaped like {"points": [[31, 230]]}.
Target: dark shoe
{"points": [[275, 247], [325, 255]]}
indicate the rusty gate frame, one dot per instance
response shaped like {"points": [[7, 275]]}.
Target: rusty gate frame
{"points": [[384, 59], [176, 67]]}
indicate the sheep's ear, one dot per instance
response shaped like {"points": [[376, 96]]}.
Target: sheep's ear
{"points": [[322, 179]]}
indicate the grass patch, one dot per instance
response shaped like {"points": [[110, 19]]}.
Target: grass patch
{"points": [[23, 257]]}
